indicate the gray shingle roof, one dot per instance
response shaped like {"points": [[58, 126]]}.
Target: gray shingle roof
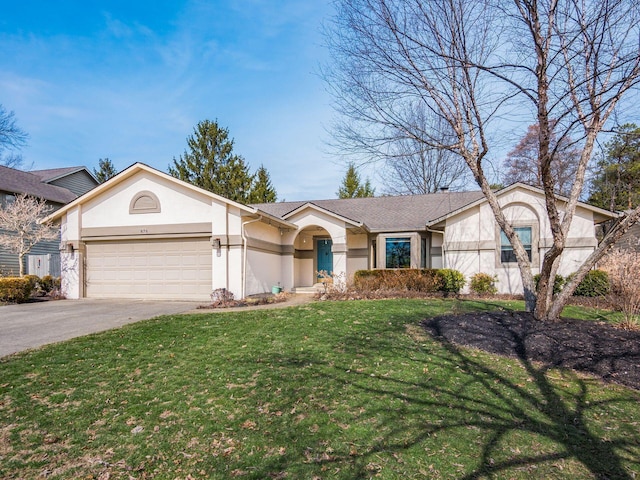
{"points": [[17, 181], [53, 173], [381, 214]]}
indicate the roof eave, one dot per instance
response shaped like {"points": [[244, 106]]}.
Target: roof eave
{"points": [[604, 213], [78, 169], [313, 206], [272, 219], [129, 172]]}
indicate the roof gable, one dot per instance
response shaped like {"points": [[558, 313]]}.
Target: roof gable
{"points": [[79, 180], [52, 174], [313, 206], [600, 215], [130, 172]]}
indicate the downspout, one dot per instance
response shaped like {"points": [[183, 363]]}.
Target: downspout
{"points": [[244, 253], [444, 257]]}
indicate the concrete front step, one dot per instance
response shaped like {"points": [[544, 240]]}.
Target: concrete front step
{"points": [[317, 288]]}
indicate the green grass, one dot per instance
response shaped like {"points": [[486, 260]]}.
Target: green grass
{"points": [[329, 390]]}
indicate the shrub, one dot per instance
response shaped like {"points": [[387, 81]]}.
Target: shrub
{"points": [[558, 283], [594, 284], [48, 284], [410, 279], [15, 289], [483, 284], [221, 297], [623, 268], [452, 280], [33, 280]]}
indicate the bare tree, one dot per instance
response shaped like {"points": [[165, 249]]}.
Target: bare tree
{"points": [[415, 168], [522, 165], [20, 228], [12, 138], [475, 65]]}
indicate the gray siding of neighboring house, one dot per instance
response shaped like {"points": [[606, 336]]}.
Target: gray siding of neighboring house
{"points": [[9, 265], [79, 182], [631, 239]]}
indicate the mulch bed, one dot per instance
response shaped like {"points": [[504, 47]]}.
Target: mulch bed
{"points": [[592, 347]]}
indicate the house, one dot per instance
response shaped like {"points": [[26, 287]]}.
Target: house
{"points": [[145, 234], [57, 186]]}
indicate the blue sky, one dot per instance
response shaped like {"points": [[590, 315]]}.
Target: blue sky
{"points": [[129, 80]]}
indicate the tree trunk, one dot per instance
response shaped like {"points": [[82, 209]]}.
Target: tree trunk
{"points": [[21, 263]]}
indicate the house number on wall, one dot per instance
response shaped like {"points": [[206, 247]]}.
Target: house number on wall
{"points": [[144, 230]]}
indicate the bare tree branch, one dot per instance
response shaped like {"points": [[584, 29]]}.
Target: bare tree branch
{"points": [[471, 65]]}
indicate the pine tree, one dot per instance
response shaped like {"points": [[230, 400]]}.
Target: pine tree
{"points": [[210, 163], [263, 190], [352, 187], [105, 170], [616, 185]]}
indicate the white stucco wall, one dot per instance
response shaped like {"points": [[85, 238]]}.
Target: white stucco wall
{"points": [[472, 241], [263, 272], [178, 204], [264, 265], [71, 262], [360, 240]]}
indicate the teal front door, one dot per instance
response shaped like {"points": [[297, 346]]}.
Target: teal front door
{"points": [[325, 256]]}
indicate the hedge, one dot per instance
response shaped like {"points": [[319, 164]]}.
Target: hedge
{"points": [[15, 289], [426, 280]]}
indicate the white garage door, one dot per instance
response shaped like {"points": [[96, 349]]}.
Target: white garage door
{"points": [[150, 269]]}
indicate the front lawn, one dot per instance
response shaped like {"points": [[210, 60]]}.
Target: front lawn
{"points": [[328, 390]]}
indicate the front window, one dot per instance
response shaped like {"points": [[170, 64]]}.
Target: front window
{"points": [[398, 253], [507, 254]]}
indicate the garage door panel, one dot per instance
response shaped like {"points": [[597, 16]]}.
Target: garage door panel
{"points": [[161, 269]]}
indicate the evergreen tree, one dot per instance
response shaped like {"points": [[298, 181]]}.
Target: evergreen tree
{"points": [[209, 163], [105, 171], [352, 187], [616, 185], [263, 190]]}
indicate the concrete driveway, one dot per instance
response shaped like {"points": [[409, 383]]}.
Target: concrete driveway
{"points": [[31, 325]]}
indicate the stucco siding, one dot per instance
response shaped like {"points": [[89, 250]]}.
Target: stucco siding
{"points": [[262, 231], [466, 262], [357, 240], [304, 272], [355, 264], [177, 204], [465, 227], [263, 272], [472, 241]]}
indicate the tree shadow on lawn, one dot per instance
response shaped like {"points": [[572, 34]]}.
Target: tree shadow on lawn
{"points": [[558, 414], [555, 420]]}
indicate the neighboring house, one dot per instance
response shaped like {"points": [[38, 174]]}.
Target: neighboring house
{"points": [[58, 187], [145, 234], [630, 241]]}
